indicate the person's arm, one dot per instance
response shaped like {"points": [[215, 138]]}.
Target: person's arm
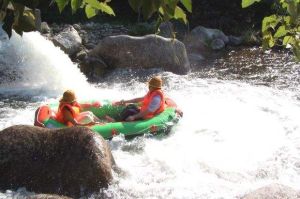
{"points": [[69, 117]]}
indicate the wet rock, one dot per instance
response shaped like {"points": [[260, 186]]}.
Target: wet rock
{"points": [[70, 161], [217, 44], [81, 55], [68, 40], [77, 27], [38, 19], [235, 41], [93, 67], [195, 60], [94, 32], [201, 37], [149, 51], [208, 34], [90, 45], [45, 28], [273, 191], [84, 36]]}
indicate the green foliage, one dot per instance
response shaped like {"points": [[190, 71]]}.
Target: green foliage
{"points": [[167, 9], [75, 5], [90, 11], [20, 21], [247, 3], [282, 29], [91, 6], [62, 4], [187, 4], [14, 16], [179, 14], [96, 5]]}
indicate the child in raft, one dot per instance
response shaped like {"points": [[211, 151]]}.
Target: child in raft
{"points": [[69, 112]]}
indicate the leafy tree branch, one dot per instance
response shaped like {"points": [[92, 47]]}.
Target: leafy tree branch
{"points": [[281, 29], [13, 14]]}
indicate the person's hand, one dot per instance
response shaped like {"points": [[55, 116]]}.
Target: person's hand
{"points": [[130, 118]]}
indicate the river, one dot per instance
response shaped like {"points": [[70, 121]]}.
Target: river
{"points": [[240, 129]]}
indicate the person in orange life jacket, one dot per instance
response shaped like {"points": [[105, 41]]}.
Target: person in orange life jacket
{"points": [[153, 102], [69, 111]]}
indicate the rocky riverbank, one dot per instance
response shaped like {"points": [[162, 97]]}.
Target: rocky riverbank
{"points": [[213, 26], [84, 43]]}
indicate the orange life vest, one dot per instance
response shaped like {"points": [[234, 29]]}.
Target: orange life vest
{"points": [[147, 100], [74, 109]]}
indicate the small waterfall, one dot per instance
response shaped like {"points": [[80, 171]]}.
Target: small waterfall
{"points": [[32, 65]]}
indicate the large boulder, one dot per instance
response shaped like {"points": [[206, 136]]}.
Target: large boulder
{"points": [[203, 44], [93, 67], [71, 161], [150, 51], [202, 39], [68, 40], [273, 191]]}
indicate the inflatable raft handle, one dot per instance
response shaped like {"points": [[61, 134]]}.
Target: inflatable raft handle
{"points": [[42, 114]]}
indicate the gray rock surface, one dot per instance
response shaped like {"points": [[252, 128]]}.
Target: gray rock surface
{"points": [[93, 67], [203, 39], [273, 191], [70, 161], [217, 44], [149, 51], [45, 28], [235, 41], [68, 40]]}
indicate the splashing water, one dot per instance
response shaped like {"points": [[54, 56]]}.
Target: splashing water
{"points": [[234, 136], [33, 65]]}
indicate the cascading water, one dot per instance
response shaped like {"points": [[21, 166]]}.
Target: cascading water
{"points": [[235, 136], [34, 65]]}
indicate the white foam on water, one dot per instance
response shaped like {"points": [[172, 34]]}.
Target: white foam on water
{"points": [[233, 138]]}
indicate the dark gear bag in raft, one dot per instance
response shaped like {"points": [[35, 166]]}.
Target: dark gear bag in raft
{"points": [[129, 110]]}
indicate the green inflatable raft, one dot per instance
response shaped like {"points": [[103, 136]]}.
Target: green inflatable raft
{"points": [[45, 117]]}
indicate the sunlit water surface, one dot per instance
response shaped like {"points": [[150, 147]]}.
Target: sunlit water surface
{"points": [[239, 132]]}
